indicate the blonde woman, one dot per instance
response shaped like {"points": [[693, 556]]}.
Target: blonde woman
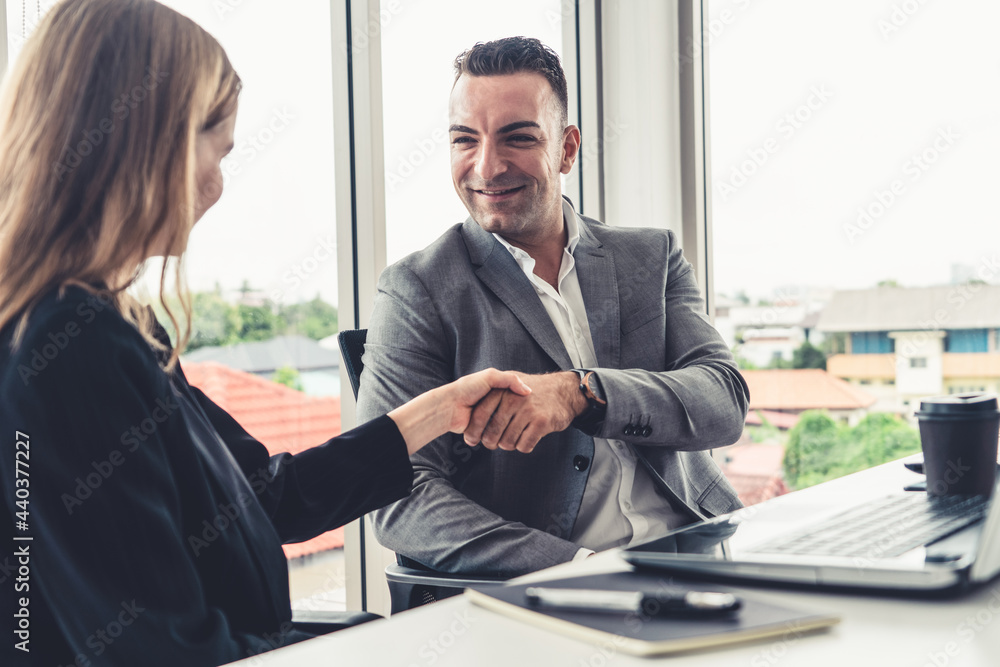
{"points": [[155, 520]]}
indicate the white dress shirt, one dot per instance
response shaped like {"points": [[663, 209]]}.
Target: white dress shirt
{"points": [[616, 473]]}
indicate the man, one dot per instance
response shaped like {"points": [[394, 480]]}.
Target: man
{"points": [[606, 455]]}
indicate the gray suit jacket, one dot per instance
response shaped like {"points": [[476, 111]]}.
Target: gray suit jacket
{"points": [[462, 305]]}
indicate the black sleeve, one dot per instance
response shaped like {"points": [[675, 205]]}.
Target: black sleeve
{"points": [[323, 487], [110, 573]]}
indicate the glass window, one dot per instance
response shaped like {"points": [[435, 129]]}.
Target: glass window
{"points": [[871, 342], [22, 18], [853, 148], [967, 340], [419, 44], [262, 264]]}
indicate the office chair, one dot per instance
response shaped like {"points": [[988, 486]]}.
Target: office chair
{"points": [[410, 583]]}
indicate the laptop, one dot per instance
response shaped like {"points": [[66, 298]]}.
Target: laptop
{"points": [[905, 541]]}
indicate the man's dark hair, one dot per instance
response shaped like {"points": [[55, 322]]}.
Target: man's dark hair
{"points": [[512, 55]]}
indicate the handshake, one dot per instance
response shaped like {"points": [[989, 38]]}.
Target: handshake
{"points": [[504, 409]]}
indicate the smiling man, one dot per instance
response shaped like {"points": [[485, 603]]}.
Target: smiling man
{"points": [[631, 384]]}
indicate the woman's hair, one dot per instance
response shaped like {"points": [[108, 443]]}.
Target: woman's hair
{"points": [[98, 120]]}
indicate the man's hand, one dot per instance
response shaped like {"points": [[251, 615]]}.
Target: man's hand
{"points": [[464, 395], [449, 407], [509, 421]]}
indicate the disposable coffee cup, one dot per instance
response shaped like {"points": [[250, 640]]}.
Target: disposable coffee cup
{"points": [[959, 437]]}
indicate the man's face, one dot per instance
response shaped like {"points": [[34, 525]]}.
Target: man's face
{"points": [[508, 148]]}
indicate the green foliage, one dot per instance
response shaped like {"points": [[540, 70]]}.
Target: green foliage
{"points": [[315, 319], [216, 322], [808, 356], [213, 321], [885, 437], [289, 377], [820, 449], [258, 323]]}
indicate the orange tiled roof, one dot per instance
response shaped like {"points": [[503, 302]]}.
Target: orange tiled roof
{"points": [[803, 389], [283, 419]]}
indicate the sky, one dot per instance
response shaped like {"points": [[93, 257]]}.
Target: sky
{"points": [[851, 142]]}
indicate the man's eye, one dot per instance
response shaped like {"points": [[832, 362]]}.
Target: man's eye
{"points": [[462, 140], [522, 138]]}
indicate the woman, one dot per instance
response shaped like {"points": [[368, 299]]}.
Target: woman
{"points": [[156, 520]]}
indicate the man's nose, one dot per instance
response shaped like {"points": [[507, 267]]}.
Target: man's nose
{"points": [[490, 161]]}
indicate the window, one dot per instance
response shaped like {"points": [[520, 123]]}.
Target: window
{"points": [[417, 77], [262, 263], [967, 340], [918, 362], [872, 342], [851, 147]]}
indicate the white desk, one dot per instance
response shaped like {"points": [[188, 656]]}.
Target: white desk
{"points": [[874, 630]]}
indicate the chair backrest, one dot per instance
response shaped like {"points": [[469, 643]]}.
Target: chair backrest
{"points": [[352, 347]]}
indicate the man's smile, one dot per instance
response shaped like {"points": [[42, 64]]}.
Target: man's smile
{"points": [[498, 194]]}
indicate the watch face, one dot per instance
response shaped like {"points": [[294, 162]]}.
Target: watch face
{"points": [[593, 387]]}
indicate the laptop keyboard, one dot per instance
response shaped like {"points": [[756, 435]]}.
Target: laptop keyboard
{"points": [[883, 529]]}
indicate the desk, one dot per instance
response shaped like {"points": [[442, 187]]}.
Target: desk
{"points": [[882, 631]]}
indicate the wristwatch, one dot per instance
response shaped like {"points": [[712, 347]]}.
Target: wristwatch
{"points": [[592, 418]]}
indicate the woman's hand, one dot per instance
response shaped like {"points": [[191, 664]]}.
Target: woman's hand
{"points": [[466, 392], [449, 407]]}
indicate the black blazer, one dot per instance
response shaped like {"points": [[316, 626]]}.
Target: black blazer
{"points": [[156, 520]]}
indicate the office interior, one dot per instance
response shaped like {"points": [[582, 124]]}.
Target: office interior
{"points": [[876, 175]]}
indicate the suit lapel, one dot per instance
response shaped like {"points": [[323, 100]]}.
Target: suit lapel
{"points": [[595, 269], [501, 274]]}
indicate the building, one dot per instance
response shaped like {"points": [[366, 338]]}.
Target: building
{"points": [[318, 365], [762, 335], [779, 396], [902, 344]]}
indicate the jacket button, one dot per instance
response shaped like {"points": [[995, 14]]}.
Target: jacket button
{"points": [[581, 463], [648, 431], [628, 429]]}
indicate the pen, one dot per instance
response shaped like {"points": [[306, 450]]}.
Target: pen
{"points": [[691, 603]]}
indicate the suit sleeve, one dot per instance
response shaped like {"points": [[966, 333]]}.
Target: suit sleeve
{"points": [[699, 400], [325, 486], [108, 554], [407, 353]]}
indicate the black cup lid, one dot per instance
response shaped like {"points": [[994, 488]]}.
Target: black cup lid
{"points": [[958, 405]]}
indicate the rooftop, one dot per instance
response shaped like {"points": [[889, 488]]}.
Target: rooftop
{"points": [[300, 352], [975, 306], [803, 389]]}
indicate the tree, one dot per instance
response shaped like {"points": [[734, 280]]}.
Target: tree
{"points": [[885, 437], [289, 377], [257, 323], [813, 447], [213, 321], [819, 449], [315, 319], [808, 356]]}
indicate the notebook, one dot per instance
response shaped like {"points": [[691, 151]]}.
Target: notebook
{"points": [[926, 545], [639, 634]]}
